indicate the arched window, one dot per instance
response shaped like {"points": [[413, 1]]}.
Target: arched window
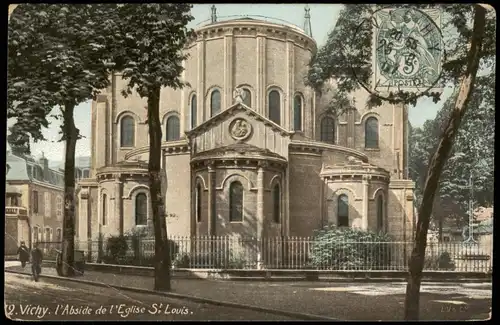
{"points": [[215, 103], [141, 209], [328, 129], [247, 97], [276, 204], [343, 211], [274, 106], [198, 203], [194, 112], [104, 209], [235, 202], [297, 113], [371, 133], [380, 213], [58, 234], [127, 131], [173, 128]]}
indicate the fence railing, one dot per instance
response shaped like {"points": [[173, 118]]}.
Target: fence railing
{"points": [[231, 252]]}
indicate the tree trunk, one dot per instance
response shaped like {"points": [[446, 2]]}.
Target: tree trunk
{"points": [[416, 263], [162, 248], [70, 134]]}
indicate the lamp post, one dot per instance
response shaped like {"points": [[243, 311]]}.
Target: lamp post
{"points": [[470, 238]]}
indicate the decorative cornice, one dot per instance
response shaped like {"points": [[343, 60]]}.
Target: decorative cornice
{"points": [[254, 28], [315, 146], [113, 174], [355, 167], [402, 184], [179, 146], [238, 163]]}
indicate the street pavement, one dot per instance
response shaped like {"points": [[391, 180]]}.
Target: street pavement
{"points": [[52, 299], [356, 301]]}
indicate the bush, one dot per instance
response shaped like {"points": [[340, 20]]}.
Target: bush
{"points": [[441, 262], [116, 250], [336, 248]]}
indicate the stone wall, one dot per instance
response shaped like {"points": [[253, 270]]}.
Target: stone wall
{"points": [[178, 194], [305, 188]]}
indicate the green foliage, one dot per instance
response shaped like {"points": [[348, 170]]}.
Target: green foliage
{"points": [[117, 249], [57, 56], [349, 248], [147, 44], [347, 54], [472, 153], [441, 262]]}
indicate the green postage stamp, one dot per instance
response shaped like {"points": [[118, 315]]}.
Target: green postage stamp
{"points": [[408, 51]]}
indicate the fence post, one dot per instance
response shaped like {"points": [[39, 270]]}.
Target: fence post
{"points": [[259, 253]]}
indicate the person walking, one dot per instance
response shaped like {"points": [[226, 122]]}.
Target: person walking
{"points": [[24, 254], [36, 261]]}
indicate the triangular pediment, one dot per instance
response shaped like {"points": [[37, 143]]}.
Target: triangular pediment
{"points": [[230, 112], [239, 124]]}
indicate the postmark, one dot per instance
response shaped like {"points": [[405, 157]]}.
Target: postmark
{"points": [[407, 52]]}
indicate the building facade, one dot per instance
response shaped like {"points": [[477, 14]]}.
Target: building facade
{"points": [[249, 149], [41, 192]]}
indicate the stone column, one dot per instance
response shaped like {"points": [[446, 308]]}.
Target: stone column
{"points": [[322, 202], [364, 219], [260, 211], [200, 82], [351, 128], [260, 199], [288, 118], [260, 87], [211, 200], [118, 203], [227, 99]]}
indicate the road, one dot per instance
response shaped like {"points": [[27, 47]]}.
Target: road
{"points": [[50, 299], [342, 301]]}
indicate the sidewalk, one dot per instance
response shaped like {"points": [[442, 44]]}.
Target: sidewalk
{"points": [[333, 301], [256, 294]]}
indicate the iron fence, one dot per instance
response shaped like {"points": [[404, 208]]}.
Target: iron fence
{"points": [[231, 252]]}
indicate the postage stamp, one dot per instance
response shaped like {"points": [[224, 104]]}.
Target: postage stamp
{"points": [[407, 51]]}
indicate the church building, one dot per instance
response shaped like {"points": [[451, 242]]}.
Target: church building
{"points": [[248, 149]]}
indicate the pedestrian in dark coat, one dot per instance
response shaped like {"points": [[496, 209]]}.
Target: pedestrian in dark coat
{"points": [[24, 254]]}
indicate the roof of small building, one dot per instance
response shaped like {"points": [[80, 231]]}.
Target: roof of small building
{"points": [[28, 169], [353, 163]]}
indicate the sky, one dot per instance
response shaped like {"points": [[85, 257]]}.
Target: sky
{"points": [[323, 19]]}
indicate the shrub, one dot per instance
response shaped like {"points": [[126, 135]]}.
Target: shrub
{"points": [[441, 262], [348, 248], [116, 249]]}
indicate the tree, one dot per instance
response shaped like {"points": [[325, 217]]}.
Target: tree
{"points": [[353, 63], [437, 163], [148, 50], [473, 146], [57, 58]]}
